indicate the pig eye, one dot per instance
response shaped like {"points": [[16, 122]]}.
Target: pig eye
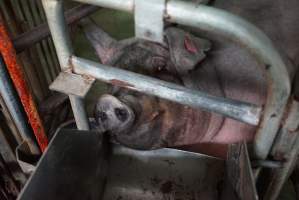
{"points": [[121, 114], [102, 116]]}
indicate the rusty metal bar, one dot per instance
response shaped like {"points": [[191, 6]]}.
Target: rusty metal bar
{"points": [[42, 31], [17, 76], [62, 42]]}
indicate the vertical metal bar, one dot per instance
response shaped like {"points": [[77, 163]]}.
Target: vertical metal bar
{"points": [[62, 42], [16, 74], [15, 109], [79, 112], [286, 148]]}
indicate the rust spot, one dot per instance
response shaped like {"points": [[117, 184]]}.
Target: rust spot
{"points": [[17, 75], [121, 83]]}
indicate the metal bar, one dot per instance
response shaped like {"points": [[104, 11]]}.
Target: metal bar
{"points": [[241, 111], [286, 149], [149, 23], [42, 31], [17, 76], [124, 5], [281, 175], [255, 41], [7, 92], [62, 42], [79, 112]]}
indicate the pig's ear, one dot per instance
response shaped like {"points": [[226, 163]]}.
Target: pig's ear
{"points": [[104, 44], [186, 50]]}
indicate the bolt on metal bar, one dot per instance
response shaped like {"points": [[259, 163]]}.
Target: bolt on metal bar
{"points": [[62, 42], [255, 41], [241, 111]]}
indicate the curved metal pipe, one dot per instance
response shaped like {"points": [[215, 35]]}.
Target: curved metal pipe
{"points": [[257, 43]]}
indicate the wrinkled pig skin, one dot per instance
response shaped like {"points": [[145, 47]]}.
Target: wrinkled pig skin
{"points": [[228, 71]]}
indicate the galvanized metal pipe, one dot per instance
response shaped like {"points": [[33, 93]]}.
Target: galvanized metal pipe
{"points": [[255, 41], [13, 104], [245, 112], [124, 5], [62, 42]]}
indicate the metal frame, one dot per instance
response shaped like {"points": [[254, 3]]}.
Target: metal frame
{"points": [[208, 19]]}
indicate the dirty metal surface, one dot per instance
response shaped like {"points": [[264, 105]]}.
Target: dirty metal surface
{"points": [[75, 163], [149, 23], [73, 84], [240, 173], [162, 174], [71, 168], [286, 149], [288, 133]]}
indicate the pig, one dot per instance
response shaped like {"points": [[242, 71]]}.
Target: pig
{"points": [[197, 60]]}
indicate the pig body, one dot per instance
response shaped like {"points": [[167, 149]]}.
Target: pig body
{"points": [[228, 71], [241, 76]]}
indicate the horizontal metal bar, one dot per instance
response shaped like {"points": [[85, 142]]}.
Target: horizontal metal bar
{"points": [[42, 31], [241, 111], [123, 5]]}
